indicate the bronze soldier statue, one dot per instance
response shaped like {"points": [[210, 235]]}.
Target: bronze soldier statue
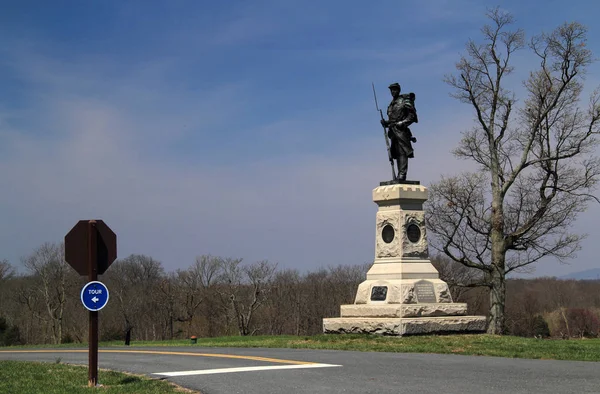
{"points": [[401, 114]]}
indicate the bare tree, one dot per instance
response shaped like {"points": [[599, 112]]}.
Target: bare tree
{"points": [[537, 165], [182, 292], [317, 295], [194, 283], [461, 279], [7, 312], [284, 307], [168, 300], [247, 288], [6, 273], [50, 269], [6, 270], [134, 283]]}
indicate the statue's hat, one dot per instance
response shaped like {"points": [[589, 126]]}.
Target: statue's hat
{"points": [[394, 85]]}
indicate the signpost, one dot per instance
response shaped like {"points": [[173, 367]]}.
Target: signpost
{"points": [[90, 248]]}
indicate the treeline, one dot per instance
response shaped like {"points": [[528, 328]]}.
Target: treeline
{"points": [[215, 296], [218, 296], [541, 307]]}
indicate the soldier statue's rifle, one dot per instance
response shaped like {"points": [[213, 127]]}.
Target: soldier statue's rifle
{"points": [[387, 142]]}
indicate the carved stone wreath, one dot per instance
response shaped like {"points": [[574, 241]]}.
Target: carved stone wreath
{"points": [[417, 246]]}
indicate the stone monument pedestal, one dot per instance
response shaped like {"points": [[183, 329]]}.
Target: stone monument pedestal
{"points": [[403, 294]]}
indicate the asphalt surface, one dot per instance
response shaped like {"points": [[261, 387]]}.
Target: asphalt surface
{"points": [[345, 372]]}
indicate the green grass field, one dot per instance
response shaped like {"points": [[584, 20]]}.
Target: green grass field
{"points": [[55, 378], [480, 345]]}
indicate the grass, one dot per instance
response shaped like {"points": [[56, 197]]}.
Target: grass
{"points": [[48, 378], [480, 345]]}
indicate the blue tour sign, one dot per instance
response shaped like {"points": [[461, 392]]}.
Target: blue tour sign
{"points": [[94, 296]]}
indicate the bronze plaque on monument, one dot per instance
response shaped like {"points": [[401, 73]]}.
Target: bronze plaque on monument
{"points": [[425, 292], [378, 293]]}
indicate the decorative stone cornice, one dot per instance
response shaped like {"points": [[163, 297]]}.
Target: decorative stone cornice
{"points": [[390, 193]]}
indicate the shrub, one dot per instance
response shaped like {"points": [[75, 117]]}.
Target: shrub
{"points": [[112, 334], [574, 322], [583, 322], [67, 338], [540, 327], [9, 335]]}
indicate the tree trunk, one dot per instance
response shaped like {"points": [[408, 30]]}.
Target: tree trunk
{"points": [[128, 328], [496, 318], [497, 275], [59, 329], [128, 336]]}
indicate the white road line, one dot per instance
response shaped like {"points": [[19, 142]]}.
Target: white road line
{"points": [[244, 369]]}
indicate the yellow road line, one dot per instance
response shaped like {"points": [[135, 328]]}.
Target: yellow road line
{"points": [[266, 359]]}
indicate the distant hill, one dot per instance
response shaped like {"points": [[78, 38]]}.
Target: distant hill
{"points": [[594, 273]]}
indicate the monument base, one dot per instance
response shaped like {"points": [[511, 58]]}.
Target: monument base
{"points": [[405, 326], [403, 293], [404, 319], [404, 310]]}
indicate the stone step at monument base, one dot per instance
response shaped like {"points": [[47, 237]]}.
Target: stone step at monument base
{"points": [[404, 310], [405, 326]]}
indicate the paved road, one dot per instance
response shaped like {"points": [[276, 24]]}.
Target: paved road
{"points": [[265, 371]]}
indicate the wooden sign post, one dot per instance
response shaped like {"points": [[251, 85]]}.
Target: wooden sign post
{"points": [[90, 248]]}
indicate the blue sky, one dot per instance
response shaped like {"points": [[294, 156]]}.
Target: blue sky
{"points": [[241, 129]]}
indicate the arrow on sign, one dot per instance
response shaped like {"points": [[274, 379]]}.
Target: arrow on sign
{"points": [[95, 299]]}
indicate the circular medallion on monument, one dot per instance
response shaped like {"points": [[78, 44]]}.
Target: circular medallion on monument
{"points": [[413, 232], [388, 233]]}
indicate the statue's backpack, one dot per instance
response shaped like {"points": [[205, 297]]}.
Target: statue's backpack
{"points": [[411, 97]]}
